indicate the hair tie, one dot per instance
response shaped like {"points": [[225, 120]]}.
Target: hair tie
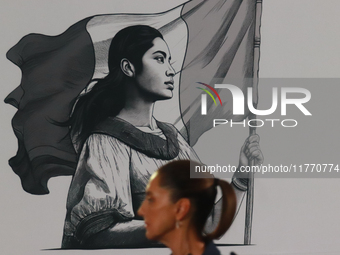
{"points": [[216, 182]]}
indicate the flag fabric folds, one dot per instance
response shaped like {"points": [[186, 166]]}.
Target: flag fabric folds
{"points": [[54, 70], [210, 42], [220, 51]]}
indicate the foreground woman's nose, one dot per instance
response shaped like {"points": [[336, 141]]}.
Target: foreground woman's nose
{"points": [[140, 210]]}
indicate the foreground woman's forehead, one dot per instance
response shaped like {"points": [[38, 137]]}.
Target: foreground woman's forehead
{"points": [[153, 176]]}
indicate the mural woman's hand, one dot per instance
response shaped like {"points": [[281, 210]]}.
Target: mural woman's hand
{"points": [[251, 150]]}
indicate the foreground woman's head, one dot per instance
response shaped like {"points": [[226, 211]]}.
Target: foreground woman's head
{"points": [[175, 202]]}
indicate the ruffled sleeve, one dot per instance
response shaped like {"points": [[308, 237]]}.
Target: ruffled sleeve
{"points": [[100, 192]]}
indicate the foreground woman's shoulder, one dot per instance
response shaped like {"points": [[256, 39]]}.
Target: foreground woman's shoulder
{"points": [[211, 249]]}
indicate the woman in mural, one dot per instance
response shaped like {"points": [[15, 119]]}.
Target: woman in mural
{"points": [[122, 144]]}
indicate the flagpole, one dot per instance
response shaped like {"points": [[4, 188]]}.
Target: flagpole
{"points": [[252, 130], [250, 193]]}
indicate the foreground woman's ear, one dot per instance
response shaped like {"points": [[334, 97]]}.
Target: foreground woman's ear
{"points": [[127, 67], [183, 208]]}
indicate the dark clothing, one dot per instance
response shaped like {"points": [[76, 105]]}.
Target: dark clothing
{"points": [[211, 249]]}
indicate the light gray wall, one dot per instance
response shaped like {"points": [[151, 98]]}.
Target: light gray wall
{"points": [[299, 40]]}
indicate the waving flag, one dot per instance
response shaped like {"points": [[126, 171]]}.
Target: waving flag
{"points": [[210, 42], [220, 51]]}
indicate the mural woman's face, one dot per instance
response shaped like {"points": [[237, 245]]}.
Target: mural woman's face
{"points": [[158, 211], [155, 81]]}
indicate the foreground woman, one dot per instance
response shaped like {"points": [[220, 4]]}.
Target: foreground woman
{"points": [[176, 209]]}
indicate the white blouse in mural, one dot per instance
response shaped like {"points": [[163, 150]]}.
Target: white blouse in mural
{"points": [[110, 181]]}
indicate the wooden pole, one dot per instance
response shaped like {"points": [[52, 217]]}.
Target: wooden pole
{"points": [[250, 197], [252, 130]]}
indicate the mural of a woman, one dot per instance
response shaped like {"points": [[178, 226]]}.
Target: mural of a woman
{"points": [[122, 144]]}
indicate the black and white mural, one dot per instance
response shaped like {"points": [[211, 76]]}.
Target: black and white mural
{"points": [[104, 94]]}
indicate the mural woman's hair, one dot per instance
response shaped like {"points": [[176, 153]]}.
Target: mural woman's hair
{"points": [[175, 176], [107, 97]]}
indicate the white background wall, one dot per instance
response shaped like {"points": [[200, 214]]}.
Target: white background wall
{"points": [[294, 216]]}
